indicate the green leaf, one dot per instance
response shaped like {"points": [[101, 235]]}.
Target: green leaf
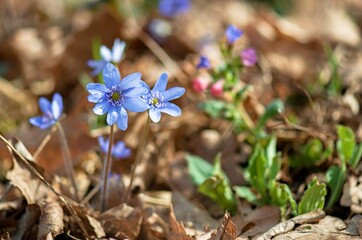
{"points": [[346, 142], [199, 169], [214, 108], [335, 178], [356, 157], [274, 108], [257, 171], [217, 188], [245, 193], [280, 194], [313, 198]]}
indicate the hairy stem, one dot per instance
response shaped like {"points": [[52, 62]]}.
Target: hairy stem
{"points": [[44, 142], [67, 160], [106, 170], [138, 159]]}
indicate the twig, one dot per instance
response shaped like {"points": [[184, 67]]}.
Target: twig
{"points": [[106, 170], [138, 159]]}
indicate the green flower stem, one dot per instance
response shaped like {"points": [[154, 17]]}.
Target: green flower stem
{"points": [[138, 159], [106, 170], [244, 114], [44, 142], [67, 159]]}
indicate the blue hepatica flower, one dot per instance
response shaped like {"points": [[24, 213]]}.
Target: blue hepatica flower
{"points": [[204, 62], [119, 150], [51, 112], [158, 99], [116, 96], [232, 33], [171, 8], [108, 56]]}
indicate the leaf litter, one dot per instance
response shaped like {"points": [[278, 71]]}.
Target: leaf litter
{"points": [[293, 53]]}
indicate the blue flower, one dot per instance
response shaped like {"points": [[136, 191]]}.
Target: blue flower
{"points": [[119, 150], [158, 99], [51, 112], [171, 8], [232, 33], [116, 96], [108, 56], [204, 62]]}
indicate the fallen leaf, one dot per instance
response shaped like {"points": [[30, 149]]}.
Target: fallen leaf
{"points": [[97, 227], [28, 220], [51, 220], [177, 230]]}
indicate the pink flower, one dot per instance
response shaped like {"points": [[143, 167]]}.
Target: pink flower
{"points": [[248, 57], [217, 88], [200, 84]]}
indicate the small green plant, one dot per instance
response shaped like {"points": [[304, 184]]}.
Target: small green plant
{"points": [[264, 166], [212, 181], [349, 153]]}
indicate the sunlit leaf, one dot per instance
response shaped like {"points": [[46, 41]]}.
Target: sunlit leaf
{"points": [[313, 198], [199, 169]]}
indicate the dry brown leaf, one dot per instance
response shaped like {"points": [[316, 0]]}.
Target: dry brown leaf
{"points": [[20, 176], [122, 220], [51, 220], [97, 227], [28, 220], [177, 230], [227, 231]]}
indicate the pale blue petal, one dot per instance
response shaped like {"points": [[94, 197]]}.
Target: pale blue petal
{"points": [[45, 106], [97, 66], [113, 115], [122, 121], [94, 88], [155, 115], [117, 50], [171, 109], [101, 107], [57, 106], [130, 81], [106, 53], [135, 104], [135, 92], [41, 122], [120, 150], [111, 76], [103, 143], [161, 83], [173, 93]]}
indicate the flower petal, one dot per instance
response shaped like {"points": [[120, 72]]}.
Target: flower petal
{"points": [[111, 76], [41, 122], [101, 107], [120, 150], [45, 106], [135, 92], [171, 109], [106, 53], [122, 121], [130, 81], [173, 93], [57, 106], [95, 88], [117, 50], [113, 115], [96, 65], [161, 83], [135, 104], [103, 143], [155, 115]]}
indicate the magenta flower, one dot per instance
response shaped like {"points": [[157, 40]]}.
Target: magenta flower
{"points": [[248, 57], [217, 89], [200, 84]]}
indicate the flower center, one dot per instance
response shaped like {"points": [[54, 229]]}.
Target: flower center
{"points": [[115, 97], [156, 99]]}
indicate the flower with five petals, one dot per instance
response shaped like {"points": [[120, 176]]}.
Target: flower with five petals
{"points": [[116, 96]]}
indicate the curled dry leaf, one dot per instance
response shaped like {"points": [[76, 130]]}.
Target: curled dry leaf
{"points": [[177, 230], [28, 220], [51, 220], [227, 231], [122, 220], [20, 176]]}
